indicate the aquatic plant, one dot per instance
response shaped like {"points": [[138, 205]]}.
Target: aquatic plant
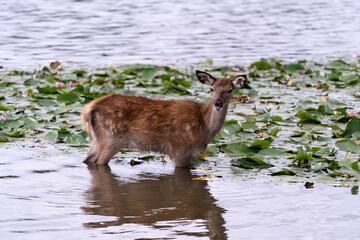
{"points": [[293, 120]]}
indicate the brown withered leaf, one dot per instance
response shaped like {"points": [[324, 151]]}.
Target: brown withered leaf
{"points": [[54, 65]]}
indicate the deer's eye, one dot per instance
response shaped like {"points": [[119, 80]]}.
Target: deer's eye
{"points": [[211, 89], [229, 91]]}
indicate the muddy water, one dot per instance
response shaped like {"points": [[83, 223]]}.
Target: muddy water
{"points": [[115, 32], [49, 194]]}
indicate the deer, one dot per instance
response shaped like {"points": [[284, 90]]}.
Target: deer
{"points": [[181, 129]]}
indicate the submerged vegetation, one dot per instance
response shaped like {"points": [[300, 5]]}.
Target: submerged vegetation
{"points": [[299, 119]]}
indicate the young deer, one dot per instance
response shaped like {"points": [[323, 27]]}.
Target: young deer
{"points": [[181, 129]]}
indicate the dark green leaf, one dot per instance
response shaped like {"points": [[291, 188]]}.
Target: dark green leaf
{"points": [[348, 145], [68, 97], [285, 172], [47, 90], [260, 144], [351, 127], [261, 65], [306, 117], [250, 163]]}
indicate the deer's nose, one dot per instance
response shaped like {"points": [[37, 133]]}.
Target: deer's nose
{"points": [[218, 104]]}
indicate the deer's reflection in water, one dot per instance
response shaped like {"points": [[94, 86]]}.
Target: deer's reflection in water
{"points": [[152, 200]]}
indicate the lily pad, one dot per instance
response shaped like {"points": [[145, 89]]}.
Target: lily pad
{"points": [[285, 172], [306, 117], [250, 163], [351, 127], [348, 145], [68, 97], [260, 144]]}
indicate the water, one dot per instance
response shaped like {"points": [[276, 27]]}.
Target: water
{"points": [[116, 32], [46, 194]]}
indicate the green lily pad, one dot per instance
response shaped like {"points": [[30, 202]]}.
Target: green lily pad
{"points": [[348, 145], [50, 137], [30, 122], [231, 126], [285, 172], [339, 64], [294, 68], [271, 152], [306, 117], [351, 127], [250, 163], [46, 102], [47, 90], [260, 144], [237, 149], [261, 65], [68, 97]]}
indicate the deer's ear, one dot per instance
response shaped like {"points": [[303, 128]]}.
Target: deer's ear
{"points": [[239, 81], [205, 78]]}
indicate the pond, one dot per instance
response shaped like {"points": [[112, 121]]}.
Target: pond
{"points": [[117, 32]]}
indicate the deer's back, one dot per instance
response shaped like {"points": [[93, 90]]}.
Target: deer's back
{"points": [[147, 122]]}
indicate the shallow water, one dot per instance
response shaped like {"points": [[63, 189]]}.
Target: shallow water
{"points": [[48, 194], [114, 32]]}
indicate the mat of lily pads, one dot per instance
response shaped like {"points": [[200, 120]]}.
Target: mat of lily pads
{"points": [[296, 119]]}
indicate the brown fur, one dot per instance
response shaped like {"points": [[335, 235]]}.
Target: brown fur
{"points": [[181, 129]]}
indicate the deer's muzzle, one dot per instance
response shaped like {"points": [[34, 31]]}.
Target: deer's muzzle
{"points": [[218, 104]]}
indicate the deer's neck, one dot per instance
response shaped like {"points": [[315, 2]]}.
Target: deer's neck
{"points": [[214, 120]]}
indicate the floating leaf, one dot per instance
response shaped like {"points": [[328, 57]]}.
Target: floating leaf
{"points": [[261, 65], [14, 123], [6, 108], [327, 151], [250, 163], [30, 122], [350, 79], [306, 117], [74, 139], [271, 152], [319, 166], [339, 64], [50, 137], [351, 127], [236, 149], [46, 102], [261, 144], [147, 158], [68, 97], [356, 136], [294, 68], [348, 145], [285, 172], [274, 131], [3, 139], [231, 126], [249, 126], [47, 90]]}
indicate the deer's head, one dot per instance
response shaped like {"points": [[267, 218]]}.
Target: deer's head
{"points": [[221, 88]]}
